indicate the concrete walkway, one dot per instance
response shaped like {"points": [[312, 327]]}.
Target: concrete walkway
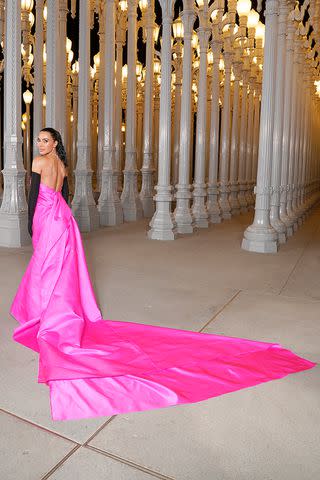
{"points": [[203, 282]]}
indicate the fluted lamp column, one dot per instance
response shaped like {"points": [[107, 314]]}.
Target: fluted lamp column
{"points": [[83, 204], [156, 109], [212, 190], [1, 156], [121, 27], [63, 10], [256, 127], [243, 10], [304, 206], [252, 22], [208, 119], [275, 220], [259, 39], [261, 236], [101, 86], [285, 187], [147, 171], [75, 86], [68, 142], [292, 139], [2, 22], [182, 213], [38, 73], [13, 211], [139, 124], [234, 149], [298, 138], [314, 160], [308, 145], [243, 136], [249, 146], [163, 226], [54, 85], [109, 205], [177, 65], [131, 203], [199, 209], [94, 123], [225, 130]]}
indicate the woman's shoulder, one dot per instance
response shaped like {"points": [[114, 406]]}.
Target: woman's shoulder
{"points": [[37, 164]]}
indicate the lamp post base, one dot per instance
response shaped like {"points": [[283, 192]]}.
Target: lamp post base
{"points": [[260, 240]]}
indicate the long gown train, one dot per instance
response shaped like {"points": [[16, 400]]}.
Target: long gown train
{"points": [[96, 367]]}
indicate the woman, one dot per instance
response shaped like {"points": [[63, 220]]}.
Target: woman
{"points": [[50, 166], [96, 367]]}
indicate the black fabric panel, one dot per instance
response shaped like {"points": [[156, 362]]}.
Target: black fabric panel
{"points": [[33, 197], [65, 189]]}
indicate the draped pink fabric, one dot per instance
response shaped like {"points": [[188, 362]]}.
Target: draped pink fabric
{"points": [[96, 367]]}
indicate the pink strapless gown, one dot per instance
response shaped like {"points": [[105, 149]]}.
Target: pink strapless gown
{"points": [[96, 367]]}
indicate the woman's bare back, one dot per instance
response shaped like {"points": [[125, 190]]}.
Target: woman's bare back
{"points": [[52, 170]]}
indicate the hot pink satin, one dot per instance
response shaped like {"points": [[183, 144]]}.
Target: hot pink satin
{"points": [[96, 367]]}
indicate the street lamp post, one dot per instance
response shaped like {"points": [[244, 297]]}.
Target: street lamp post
{"points": [[147, 170], [109, 205], [13, 211], [100, 68], [75, 82], [212, 190], [121, 26], [225, 129], [38, 118], [243, 10], [182, 214], [131, 203], [199, 209], [83, 203], [261, 236], [275, 220], [163, 226], [177, 85]]}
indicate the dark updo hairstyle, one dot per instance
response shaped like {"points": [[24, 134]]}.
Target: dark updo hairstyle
{"points": [[59, 148]]}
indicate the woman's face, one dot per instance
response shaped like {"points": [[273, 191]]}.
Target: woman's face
{"points": [[45, 143]]}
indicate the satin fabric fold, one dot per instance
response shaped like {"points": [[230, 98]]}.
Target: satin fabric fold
{"points": [[97, 367]]}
